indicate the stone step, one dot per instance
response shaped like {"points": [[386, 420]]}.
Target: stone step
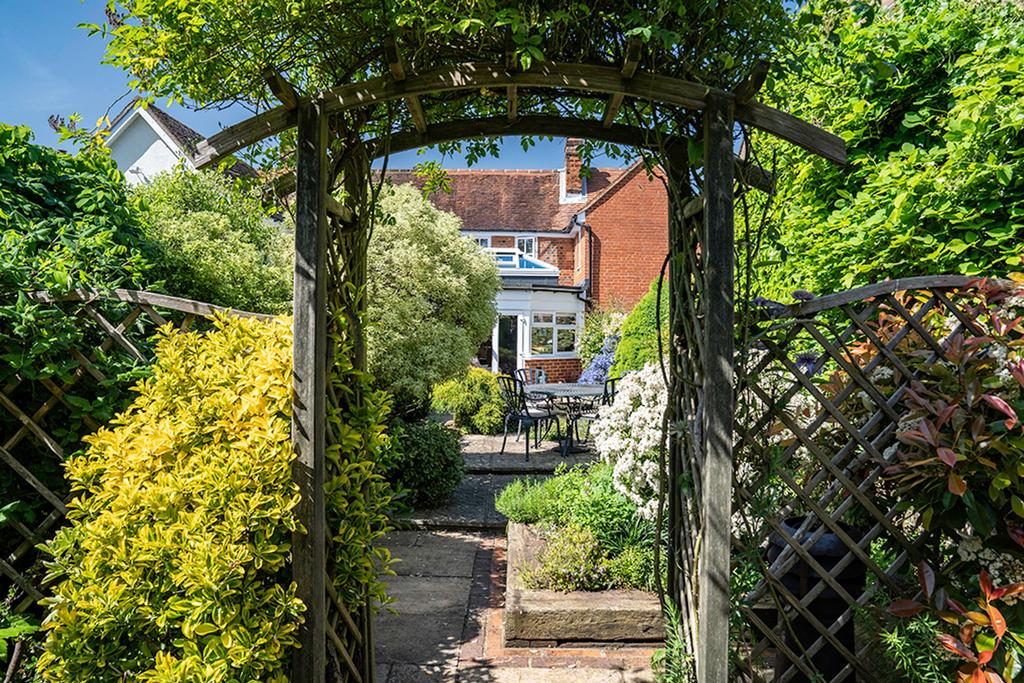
{"points": [[470, 508]]}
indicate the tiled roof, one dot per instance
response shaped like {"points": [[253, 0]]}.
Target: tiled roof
{"points": [[510, 200]]}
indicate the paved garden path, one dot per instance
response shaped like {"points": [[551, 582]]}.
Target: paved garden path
{"points": [[449, 593]]}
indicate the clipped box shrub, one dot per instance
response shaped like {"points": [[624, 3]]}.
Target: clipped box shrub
{"points": [[473, 400], [173, 565], [426, 462]]}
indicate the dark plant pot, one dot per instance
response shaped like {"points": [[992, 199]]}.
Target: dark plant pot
{"points": [[827, 607]]}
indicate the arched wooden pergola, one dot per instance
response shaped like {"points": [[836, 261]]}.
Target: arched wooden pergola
{"points": [[331, 238]]}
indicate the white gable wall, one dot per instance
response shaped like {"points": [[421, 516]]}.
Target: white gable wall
{"points": [[142, 150]]}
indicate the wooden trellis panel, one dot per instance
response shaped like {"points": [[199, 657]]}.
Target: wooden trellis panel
{"points": [[38, 409], [817, 534]]}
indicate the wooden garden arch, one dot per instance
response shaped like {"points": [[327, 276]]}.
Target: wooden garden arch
{"points": [[329, 245]]}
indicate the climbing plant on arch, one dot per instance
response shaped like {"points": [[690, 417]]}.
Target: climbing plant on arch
{"points": [[338, 84]]}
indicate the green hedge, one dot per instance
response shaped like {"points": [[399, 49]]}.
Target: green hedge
{"points": [[210, 239], [639, 343], [169, 568], [929, 97]]}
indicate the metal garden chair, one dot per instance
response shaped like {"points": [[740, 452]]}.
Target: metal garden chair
{"points": [[532, 376], [527, 413]]}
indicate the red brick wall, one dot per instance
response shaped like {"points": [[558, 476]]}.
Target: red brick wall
{"points": [[630, 240], [502, 241], [558, 369], [558, 252]]}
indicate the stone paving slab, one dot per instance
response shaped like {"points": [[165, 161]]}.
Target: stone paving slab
{"points": [[448, 628], [428, 594], [437, 553]]}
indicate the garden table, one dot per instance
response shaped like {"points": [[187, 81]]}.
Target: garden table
{"points": [[571, 399]]}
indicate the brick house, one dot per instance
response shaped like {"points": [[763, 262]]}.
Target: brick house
{"points": [[564, 245]]}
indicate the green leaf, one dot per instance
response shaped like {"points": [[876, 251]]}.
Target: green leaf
{"points": [[205, 629]]}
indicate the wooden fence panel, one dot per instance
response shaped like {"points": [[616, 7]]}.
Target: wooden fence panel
{"points": [[819, 538]]}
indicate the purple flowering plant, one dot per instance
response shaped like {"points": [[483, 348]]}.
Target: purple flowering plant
{"points": [[597, 371]]}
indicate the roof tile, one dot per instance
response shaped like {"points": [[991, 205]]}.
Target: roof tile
{"points": [[510, 200]]}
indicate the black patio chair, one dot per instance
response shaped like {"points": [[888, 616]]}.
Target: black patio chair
{"points": [[526, 412], [532, 376], [610, 385]]}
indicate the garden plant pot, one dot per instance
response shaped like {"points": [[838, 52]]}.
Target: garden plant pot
{"points": [[827, 607]]}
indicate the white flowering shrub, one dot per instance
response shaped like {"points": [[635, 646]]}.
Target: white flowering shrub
{"points": [[627, 435]]}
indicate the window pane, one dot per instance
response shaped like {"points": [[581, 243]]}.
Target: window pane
{"points": [[544, 318], [541, 340], [567, 340], [567, 319], [526, 245]]}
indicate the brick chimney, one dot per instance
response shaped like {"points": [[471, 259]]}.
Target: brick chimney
{"points": [[573, 166]]}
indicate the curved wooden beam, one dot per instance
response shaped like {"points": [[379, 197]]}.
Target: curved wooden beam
{"points": [[467, 129], [605, 80]]}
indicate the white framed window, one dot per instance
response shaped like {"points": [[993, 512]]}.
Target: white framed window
{"points": [[482, 242], [527, 245], [553, 334]]}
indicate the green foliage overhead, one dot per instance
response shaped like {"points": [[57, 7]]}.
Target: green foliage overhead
{"points": [[182, 522], [639, 343], [210, 240], [929, 97], [430, 296], [427, 462], [210, 51], [474, 402]]}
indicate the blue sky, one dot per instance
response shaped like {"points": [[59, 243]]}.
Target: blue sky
{"points": [[53, 67]]}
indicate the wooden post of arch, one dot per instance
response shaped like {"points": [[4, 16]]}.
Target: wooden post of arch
{"points": [[717, 392], [309, 360]]}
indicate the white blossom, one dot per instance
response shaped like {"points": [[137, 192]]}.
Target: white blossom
{"points": [[627, 435]]}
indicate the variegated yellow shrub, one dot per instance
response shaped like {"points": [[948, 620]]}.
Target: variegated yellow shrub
{"points": [[173, 566]]}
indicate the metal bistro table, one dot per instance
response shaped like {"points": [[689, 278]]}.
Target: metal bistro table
{"points": [[571, 400]]}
